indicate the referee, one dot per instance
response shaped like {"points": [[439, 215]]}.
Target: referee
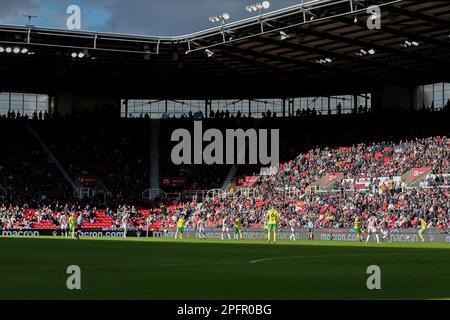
{"points": [[79, 224]]}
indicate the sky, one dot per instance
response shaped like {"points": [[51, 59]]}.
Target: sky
{"points": [[144, 17]]}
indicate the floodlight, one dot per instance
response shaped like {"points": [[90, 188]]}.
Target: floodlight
{"points": [[24, 50], [371, 51], [16, 50], [283, 35], [8, 50], [328, 60], [209, 53], [220, 18], [2, 49], [415, 43], [258, 6], [81, 55], [74, 54]]}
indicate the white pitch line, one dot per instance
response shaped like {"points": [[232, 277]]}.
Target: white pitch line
{"points": [[337, 255], [316, 256]]}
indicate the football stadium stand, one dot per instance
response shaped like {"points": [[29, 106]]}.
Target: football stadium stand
{"points": [[363, 114], [400, 175]]}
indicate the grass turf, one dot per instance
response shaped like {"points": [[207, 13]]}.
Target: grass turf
{"points": [[35, 268]]}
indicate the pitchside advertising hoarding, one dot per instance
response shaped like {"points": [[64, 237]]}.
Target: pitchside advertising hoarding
{"points": [[402, 235]]}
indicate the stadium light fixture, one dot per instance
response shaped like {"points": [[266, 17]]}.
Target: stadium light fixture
{"points": [[258, 7], [324, 61], [283, 35], [364, 52], [209, 53], [80, 55], [409, 43], [15, 50], [220, 18]]}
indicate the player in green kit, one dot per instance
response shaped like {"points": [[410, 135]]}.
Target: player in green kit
{"points": [[238, 229], [180, 227], [272, 224], [357, 229], [72, 222], [423, 228]]}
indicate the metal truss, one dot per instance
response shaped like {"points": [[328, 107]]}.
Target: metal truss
{"points": [[305, 17], [301, 14]]}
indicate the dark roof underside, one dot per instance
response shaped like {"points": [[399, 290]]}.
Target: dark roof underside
{"points": [[259, 66]]}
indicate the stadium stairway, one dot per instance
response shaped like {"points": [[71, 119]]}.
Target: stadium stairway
{"points": [[55, 161], [229, 178], [154, 155]]}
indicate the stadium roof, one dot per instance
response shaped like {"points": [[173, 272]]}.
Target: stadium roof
{"points": [[318, 48]]}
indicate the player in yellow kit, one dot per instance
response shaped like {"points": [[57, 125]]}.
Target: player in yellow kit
{"points": [[180, 227], [423, 227], [72, 222], [272, 224], [238, 229]]}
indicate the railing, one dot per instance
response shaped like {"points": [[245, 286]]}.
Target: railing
{"points": [[246, 192], [292, 192], [83, 193], [197, 195], [364, 190], [173, 197], [152, 194], [216, 193]]}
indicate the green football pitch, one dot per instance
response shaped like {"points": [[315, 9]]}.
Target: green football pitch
{"points": [[35, 268]]}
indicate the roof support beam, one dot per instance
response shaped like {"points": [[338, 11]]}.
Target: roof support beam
{"points": [[400, 33], [419, 16], [365, 44], [346, 57], [327, 71], [264, 66]]}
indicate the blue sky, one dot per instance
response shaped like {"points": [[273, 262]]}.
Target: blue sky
{"points": [[148, 17]]}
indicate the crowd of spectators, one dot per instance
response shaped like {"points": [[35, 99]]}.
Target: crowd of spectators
{"points": [[27, 175], [400, 207], [114, 154], [118, 153]]}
